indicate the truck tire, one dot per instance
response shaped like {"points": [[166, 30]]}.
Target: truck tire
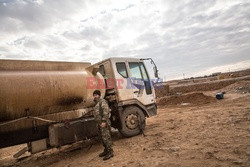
{"points": [[132, 121]]}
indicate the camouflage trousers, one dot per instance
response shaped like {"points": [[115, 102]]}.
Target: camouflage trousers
{"points": [[105, 136]]}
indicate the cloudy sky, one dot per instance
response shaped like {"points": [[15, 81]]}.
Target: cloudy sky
{"points": [[194, 37]]}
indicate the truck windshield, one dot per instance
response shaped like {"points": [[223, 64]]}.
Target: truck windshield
{"points": [[139, 72], [135, 70]]}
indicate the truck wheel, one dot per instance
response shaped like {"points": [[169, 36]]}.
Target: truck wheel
{"points": [[132, 121]]}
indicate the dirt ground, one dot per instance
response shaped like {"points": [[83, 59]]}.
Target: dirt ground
{"points": [[184, 133]]}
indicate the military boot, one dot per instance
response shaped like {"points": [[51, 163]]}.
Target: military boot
{"points": [[109, 155], [105, 152]]}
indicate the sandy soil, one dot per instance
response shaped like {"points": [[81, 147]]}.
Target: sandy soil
{"points": [[208, 134]]}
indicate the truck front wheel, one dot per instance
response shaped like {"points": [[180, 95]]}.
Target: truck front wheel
{"points": [[132, 121]]}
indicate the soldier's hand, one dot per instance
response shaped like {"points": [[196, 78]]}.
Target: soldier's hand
{"points": [[103, 124]]}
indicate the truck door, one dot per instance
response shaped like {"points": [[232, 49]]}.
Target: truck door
{"points": [[140, 83]]}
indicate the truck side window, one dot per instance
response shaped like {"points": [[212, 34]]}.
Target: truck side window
{"points": [[121, 68], [146, 79], [143, 70], [135, 70]]}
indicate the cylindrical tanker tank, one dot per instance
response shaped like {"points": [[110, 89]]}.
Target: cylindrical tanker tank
{"points": [[37, 88]]}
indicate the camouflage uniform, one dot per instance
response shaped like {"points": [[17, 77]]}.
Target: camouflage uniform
{"points": [[103, 116]]}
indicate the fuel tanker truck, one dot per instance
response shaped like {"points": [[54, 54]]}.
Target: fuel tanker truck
{"points": [[49, 104]]}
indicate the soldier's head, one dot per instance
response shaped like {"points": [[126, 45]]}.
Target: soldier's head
{"points": [[96, 95]]}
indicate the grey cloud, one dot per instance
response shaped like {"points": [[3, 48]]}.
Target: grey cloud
{"points": [[2, 56], [54, 42], [19, 41], [26, 42], [150, 37], [91, 33], [101, 44], [72, 35], [86, 48], [88, 33], [2, 48], [14, 56], [36, 17], [119, 51], [182, 11], [33, 44], [104, 12], [124, 9]]}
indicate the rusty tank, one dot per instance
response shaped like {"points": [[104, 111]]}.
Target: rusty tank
{"points": [[40, 88]]}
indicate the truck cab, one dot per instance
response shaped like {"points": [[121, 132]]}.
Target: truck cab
{"points": [[130, 93]]}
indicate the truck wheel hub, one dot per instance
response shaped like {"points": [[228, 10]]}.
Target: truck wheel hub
{"points": [[132, 121]]}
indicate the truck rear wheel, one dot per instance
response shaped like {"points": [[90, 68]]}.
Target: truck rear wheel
{"points": [[132, 121]]}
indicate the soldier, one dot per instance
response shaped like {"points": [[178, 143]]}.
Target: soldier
{"points": [[101, 114]]}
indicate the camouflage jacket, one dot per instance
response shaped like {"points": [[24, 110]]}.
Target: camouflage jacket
{"points": [[104, 113]]}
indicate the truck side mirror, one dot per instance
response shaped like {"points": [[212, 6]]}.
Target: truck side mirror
{"points": [[154, 68], [156, 72]]}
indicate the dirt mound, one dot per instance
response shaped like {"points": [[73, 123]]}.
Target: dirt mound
{"points": [[186, 99], [238, 87], [161, 90], [207, 86]]}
